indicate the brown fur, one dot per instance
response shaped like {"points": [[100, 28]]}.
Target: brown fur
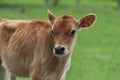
{"points": [[30, 44], [26, 47]]}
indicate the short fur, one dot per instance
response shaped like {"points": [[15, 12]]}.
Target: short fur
{"points": [[26, 48]]}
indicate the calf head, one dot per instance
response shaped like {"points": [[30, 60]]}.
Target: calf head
{"points": [[64, 30]]}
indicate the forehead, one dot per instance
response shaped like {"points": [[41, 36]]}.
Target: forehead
{"points": [[64, 23]]}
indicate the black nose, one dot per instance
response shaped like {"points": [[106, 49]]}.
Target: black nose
{"points": [[59, 50]]}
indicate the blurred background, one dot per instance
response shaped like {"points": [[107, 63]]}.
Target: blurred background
{"points": [[97, 53]]}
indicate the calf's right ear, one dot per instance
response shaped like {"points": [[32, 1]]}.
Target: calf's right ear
{"points": [[51, 17], [86, 21]]}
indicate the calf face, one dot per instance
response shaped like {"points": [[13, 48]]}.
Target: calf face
{"points": [[64, 30]]}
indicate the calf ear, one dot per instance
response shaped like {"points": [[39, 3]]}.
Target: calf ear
{"points": [[51, 17], [86, 21]]}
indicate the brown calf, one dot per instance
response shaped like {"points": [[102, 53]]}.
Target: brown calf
{"points": [[39, 49]]}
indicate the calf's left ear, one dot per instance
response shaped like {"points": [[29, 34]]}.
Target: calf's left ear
{"points": [[51, 17], [86, 21]]}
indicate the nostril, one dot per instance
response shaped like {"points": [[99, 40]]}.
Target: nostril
{"points": [[62, 48], [59, 48]]}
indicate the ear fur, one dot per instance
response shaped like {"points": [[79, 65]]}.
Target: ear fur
{"points": [[51, 17], [86, 21]]}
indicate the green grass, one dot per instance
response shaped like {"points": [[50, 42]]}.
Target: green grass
{"points": [[96, 54]]}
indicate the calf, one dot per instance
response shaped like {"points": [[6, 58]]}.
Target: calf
{"points": [[40, 50]]}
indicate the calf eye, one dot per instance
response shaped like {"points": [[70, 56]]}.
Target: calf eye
{"points": [[73, 32], [52, 31]]}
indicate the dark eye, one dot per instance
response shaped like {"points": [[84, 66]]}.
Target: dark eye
{"points": [[73, 32], [52, 31]]}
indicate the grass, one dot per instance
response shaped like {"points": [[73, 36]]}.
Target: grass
{"points": [[96, 54]]}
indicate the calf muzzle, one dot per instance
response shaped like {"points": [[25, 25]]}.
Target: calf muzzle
{"points": [[59, 50]]}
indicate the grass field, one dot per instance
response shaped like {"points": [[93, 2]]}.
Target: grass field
{"points": [[97, 53]]}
